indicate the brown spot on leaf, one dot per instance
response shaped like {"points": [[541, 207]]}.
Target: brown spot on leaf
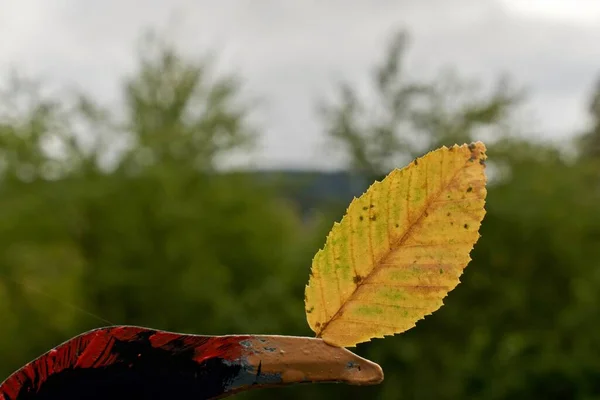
{"points": [[467, 180]]}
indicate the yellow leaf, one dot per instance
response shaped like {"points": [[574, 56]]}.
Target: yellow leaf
{"points": [[400, 248]]}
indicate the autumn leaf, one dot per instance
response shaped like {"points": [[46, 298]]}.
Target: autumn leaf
{"points": [[400, 248]]}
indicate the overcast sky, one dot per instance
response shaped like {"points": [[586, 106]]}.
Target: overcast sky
{"points": [[292, 52]]}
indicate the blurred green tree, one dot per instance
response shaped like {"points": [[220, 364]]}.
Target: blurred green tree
{"points": [[518, 325], [589, 142], [123, 216], [406, 118]]}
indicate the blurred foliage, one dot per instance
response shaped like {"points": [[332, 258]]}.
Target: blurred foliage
{"points": [[151, 237], [522, 324], [122, 215], [590, 141], [401, 119]]}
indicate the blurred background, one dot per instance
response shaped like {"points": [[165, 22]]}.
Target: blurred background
{"points": [[176, 165]]}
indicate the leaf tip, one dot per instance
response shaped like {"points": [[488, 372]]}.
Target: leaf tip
{"points": [[478, 150]]}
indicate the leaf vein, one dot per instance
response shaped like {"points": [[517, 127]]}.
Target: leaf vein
{"points": [[399, 243]]}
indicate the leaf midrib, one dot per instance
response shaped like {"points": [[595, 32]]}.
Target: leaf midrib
{"points": [[381, 263]]}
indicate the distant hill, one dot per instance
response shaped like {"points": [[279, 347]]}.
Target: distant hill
{"points": [[311, 189]]}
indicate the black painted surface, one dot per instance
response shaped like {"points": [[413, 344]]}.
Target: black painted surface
{"points": [[142, 372]]}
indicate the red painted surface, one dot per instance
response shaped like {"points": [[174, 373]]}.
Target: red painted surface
{"points": [[94, 349]]}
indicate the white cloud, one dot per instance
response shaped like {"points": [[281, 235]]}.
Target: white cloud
{"points": [[291, 52], [577, 11]]}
